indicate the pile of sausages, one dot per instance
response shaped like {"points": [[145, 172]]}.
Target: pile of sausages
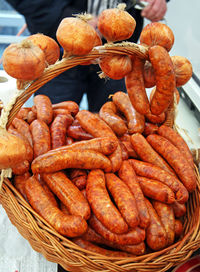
{"points": [[108, 180]]}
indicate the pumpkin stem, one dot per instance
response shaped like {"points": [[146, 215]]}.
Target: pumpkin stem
{"points": [[26, 44], [84, 16], [121, 6]]}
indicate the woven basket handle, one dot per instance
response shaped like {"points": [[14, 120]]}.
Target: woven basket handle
{"points": [[124, 48]]}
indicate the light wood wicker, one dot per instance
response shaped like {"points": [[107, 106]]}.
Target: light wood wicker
{"points": [[56, 248]]}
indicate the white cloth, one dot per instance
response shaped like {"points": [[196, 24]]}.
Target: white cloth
{"points": [[16, 254]]}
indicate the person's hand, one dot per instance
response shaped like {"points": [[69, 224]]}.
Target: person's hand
{"points": [[155, 10]]}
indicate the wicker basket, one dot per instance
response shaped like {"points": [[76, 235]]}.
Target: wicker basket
{"points": [[55, 247]]}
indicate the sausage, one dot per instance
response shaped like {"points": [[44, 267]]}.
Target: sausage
{"points": [[104, 145], [166, 214], [178, 228], [127, 174], [19, 182], [34, 109], [94, 125], [147, 153], [176, 95], [138, 249], [58, 130], [77, 132], [176, 160], [124, 151], [29, 149], [71, 106], [31, 116], [155, 119], [165, 79], [100, 250], [150, 128], [91, 236], [22, 127], [79, 178], [101, 204], [21, 167], [126, 140], [132, 237], [124, 199], [44, 108], [148, 75], [179, 209], [151, 171], [47, 190], [108, 112], [84, 159], [41, 137], [67, 225], [135, 120], [156, 190], [127, 151], [63, 112], [171, 135], [74, 173], [182, 68], [68, 193], [80, 182], [156, 237], [23, 113], [135, 86]]}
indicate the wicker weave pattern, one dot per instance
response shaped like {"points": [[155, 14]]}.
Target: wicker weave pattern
{"points": [[56, 248]]}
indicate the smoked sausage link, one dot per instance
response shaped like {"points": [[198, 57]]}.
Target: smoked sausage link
{"points": [[135, 120], [156, 190], [171, 135], [85, 159], [135, 86], [175, 159], [156, 237], [101, 204], [145, 151], [166, 214], [127, 174], [44, 108], [41, 137], [123, 198], [132, 237], [108, 113], [95, 126], [151, 171], [68, 193], [58, 130], [67, 225], [165, 79]]}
